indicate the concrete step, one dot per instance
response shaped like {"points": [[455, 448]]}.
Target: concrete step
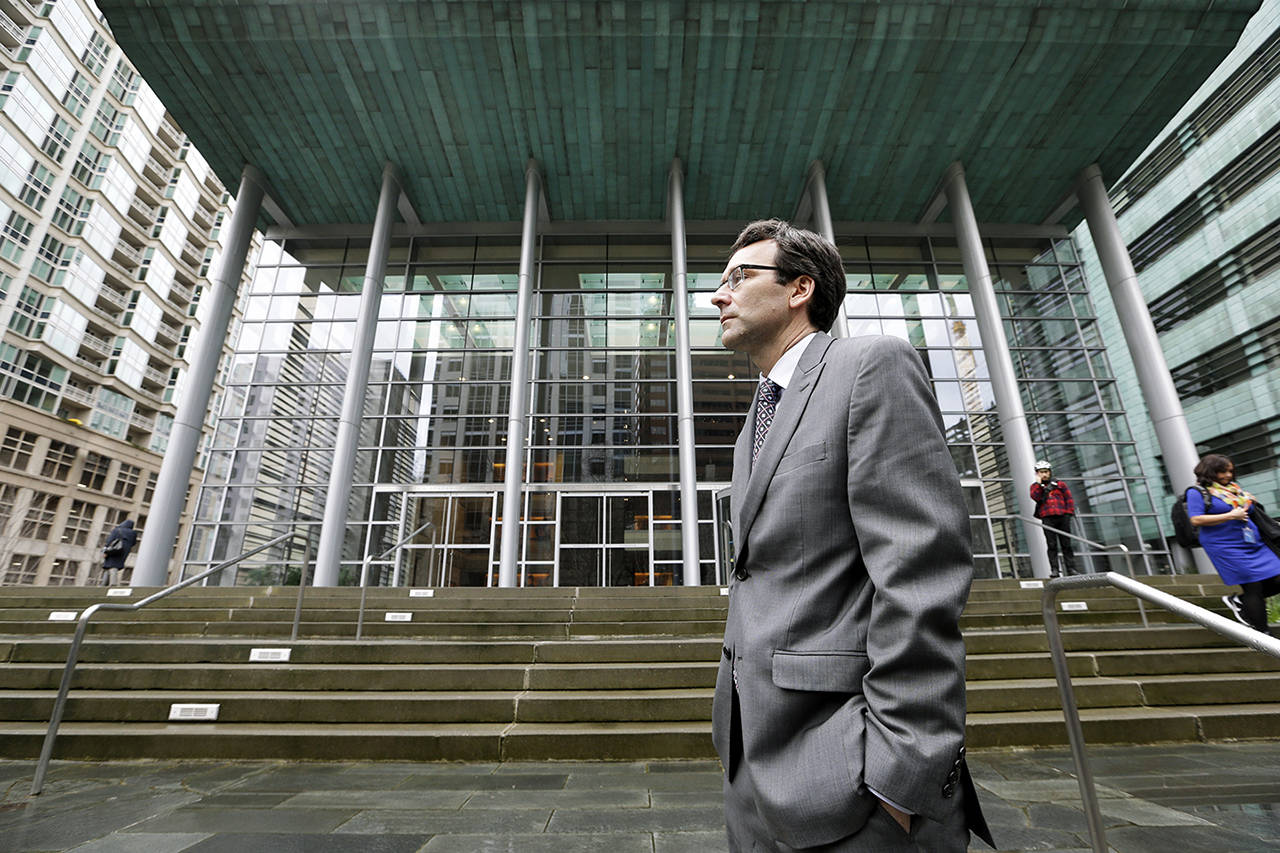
{"points": [[408, 742], [390, 706], [389, 651], [1184, 724], [197, 677]]}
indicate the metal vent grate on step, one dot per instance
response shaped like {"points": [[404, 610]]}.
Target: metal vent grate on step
{"points": [[192, 712]]}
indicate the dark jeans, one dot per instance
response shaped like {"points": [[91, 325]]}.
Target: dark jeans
{"points": [[1253, 600], [1056, 542]]}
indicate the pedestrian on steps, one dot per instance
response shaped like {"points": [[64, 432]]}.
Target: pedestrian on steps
{"points": [[1232, 541]]}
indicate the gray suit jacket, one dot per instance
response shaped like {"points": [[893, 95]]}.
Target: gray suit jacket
{"points": [[843, 637]]}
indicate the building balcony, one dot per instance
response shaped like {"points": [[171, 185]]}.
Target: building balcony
{"points": [[169, 134], [169, 332], [114, 299], [12, 35], [202, 218], [142, 422], [143, 213], [180, 289], [95, 344], [77, 395], [126, 257], [155, 377]]}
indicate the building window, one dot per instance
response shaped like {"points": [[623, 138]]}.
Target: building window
{"points": [[44, 507], [8, 497], [94, 475], [37, 187], [63, 572], [79, 523], [150, 491], [107, 124], [127, 481], [30, 313], [96, 53], [57, 139], [14, 237], [58, 461], [16, 449], [77, 94], [29, 378], [91, 166], [21, 570], [73, 210]]}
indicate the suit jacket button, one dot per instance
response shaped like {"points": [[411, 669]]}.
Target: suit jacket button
{"points": [[947, 790]]}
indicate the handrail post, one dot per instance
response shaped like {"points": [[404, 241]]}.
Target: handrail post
{"points": [[60, 704], [1075, 730], [1255, 639], [302, 585], [82, 625], [364, 588], [364, 572]]}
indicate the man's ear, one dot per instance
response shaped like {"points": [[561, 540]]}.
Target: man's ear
{"points": [[805, 287]]}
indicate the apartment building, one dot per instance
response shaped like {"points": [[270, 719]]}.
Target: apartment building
{"points": [[110, 224]]}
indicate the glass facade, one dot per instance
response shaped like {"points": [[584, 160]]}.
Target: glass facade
{"points": [[601, 483]]}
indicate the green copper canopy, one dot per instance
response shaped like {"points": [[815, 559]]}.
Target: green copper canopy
{"points": [[318, 94]]}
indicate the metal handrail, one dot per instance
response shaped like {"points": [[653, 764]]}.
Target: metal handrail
{"points": [[364, 573], [302, 585], [60, 704], [1124, 550], [1075, 732]]}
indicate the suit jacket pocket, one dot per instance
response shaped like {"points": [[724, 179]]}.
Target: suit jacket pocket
{"points": [[827, 671], [801, 456]]}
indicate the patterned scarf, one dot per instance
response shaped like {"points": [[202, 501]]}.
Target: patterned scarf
{"points": [[1232, 494]]}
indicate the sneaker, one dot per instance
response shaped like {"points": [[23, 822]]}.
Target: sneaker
{"points": [[1233, 604]]}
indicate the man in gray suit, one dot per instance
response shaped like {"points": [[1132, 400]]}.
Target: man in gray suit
{"points": [[840, 701]]}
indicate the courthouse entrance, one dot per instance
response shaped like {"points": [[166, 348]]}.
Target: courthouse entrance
{"points": [[570, 537]]}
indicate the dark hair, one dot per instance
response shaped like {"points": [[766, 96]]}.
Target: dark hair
{"points": [[1208, 469], [802, 252]]}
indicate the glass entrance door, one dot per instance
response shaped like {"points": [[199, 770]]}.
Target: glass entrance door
{"points": [[457, 548], [604, 539]]}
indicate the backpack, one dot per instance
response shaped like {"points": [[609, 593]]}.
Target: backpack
{"points": [[1185, 533]]}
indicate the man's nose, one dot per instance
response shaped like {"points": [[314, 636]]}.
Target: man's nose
{"points": [[720, 297]]}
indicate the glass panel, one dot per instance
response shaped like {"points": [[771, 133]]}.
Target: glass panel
{"points": [[580, 566], [628, 520], [629, 567], [580, 518], [467, 567]]}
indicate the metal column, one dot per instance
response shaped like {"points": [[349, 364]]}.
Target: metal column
{"points": [[1004, 383], [334, 528], [822, 218], [156, 548], [1172, 432], [684, 379], [513, 479]]}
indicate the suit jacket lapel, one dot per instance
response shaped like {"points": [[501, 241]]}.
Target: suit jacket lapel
{"points": [[785, 421], [741, 472]]}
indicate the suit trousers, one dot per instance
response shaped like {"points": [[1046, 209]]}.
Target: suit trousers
{"points": [[748, 833]]}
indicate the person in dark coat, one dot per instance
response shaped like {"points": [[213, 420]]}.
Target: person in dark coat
{"points": [[119, 545]]}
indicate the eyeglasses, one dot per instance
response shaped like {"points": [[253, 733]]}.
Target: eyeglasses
{"points": [[738, 273]]}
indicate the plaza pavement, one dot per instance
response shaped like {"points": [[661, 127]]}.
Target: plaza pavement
{"points": [[1217, 798]]}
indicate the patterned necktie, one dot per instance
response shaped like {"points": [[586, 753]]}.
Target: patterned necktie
{"points": [[766, 405]]}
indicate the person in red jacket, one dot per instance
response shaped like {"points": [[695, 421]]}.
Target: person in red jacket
{"points": [[1054, 507]]}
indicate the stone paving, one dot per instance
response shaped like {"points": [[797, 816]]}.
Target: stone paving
{"points": [[1200, 797]]}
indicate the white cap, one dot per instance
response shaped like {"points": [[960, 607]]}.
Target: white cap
{"points": [[1043, 464]]}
